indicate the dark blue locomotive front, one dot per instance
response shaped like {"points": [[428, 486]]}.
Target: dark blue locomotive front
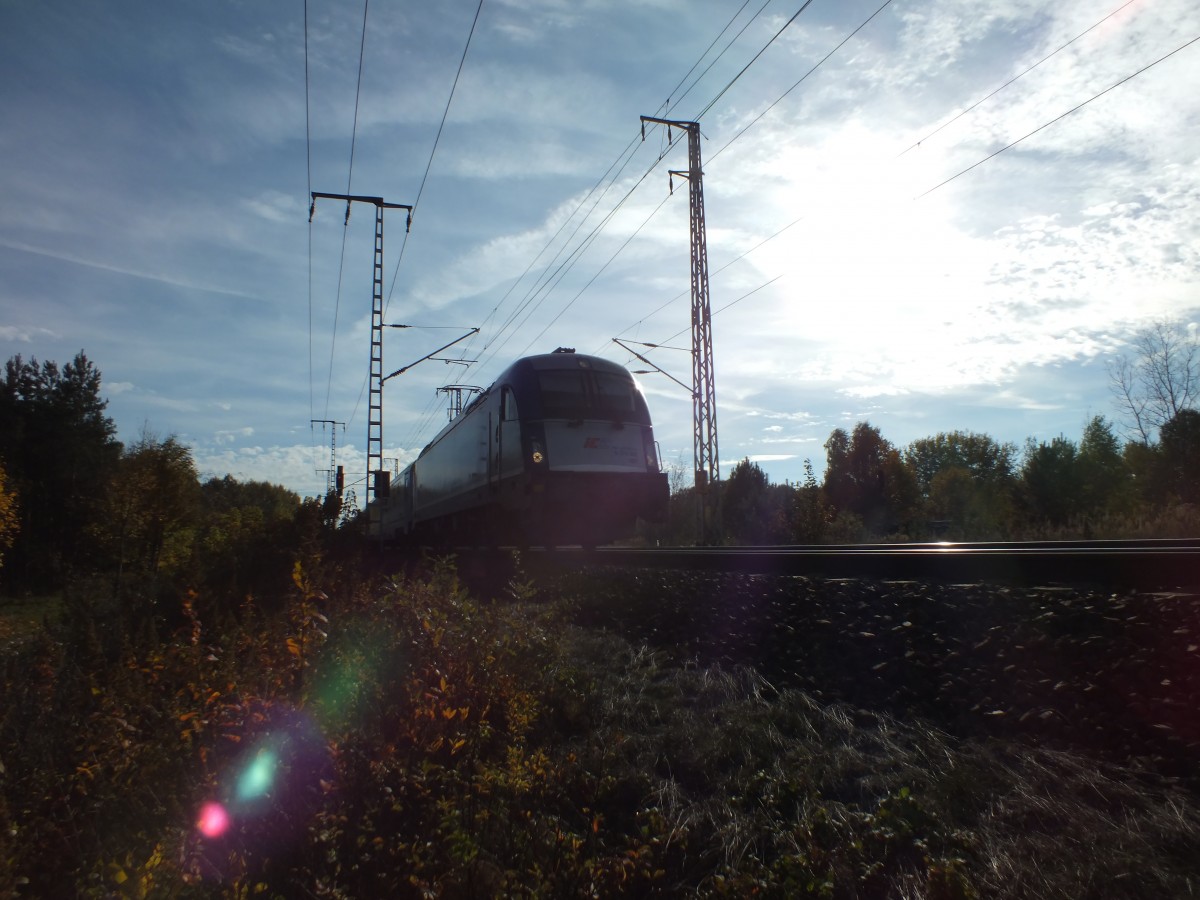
{"points": [[560, 450]]}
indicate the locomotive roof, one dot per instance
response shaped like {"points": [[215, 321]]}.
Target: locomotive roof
{"points": [[562, 359], [559, 359]]}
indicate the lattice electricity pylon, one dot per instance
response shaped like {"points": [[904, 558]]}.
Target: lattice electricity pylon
{"points": [[704, 396], [457, 393], [331, 473], [375, 390]]}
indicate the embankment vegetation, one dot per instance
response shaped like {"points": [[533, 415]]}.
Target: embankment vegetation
{"points": [[204, 691]]}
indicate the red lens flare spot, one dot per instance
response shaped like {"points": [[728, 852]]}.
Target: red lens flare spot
{"points": [[213, 821]]}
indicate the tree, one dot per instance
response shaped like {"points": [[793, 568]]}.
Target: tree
{"points": [[8, 514], [980, 455], [248, 538], [1161, 380], [810, 513], [1180, 456], [753, 510], [151, 511], [58, 447], [865, 476], [1050, 480], [966, 479], [1105, 481], [272, 500]]}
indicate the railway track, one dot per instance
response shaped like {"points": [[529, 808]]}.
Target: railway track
{"points": [[1146, 565]]}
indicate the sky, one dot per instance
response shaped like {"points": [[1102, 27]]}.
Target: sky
{"points": [[875, 252]]}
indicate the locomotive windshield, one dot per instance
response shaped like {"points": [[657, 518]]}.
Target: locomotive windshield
{"points": [[586, 394]]}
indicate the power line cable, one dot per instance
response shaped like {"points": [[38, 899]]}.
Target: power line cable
{"points": [[717, 58], [1018, 76], [802, 79], [591, 237], [708, 107], [1058, 118], [715, 273], [433, 151], [421, 190], [662, 345], [308, 193], [746, 67], [627, 154], [580, 250], [362, 52], [337, 305], [554, 278], [779, 99], [599, 272], [947, 181]]}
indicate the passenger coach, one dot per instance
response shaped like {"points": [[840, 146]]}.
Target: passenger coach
{"points": [[560, 450]]}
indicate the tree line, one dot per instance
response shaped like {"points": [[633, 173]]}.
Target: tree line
{"points": [[964, 485], [138, 524], [134, 522]]}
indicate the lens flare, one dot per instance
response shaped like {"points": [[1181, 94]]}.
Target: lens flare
{"points": [[213, 821], [258, 777]]}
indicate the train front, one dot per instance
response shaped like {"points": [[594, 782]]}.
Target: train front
{"points": [[590, 455]]}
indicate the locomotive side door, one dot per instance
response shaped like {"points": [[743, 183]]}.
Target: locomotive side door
{"points": [[508, 432], [493, 451]]}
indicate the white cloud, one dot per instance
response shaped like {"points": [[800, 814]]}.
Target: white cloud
{"points": [[25, 334], [228, 437]]}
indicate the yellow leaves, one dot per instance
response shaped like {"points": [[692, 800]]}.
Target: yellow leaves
{"points": [[435, 632], [131, 879], [299, 578], [293, 647]]}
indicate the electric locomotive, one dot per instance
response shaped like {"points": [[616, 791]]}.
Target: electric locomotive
{"points": [[559, 450]]}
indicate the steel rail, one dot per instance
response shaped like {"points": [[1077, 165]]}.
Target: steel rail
{"points": [[1158, 565]]}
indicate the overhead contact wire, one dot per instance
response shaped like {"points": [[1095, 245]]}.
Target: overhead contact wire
{"points": [[802, 79], [307, 194], [337, 305], [1018, 76], [1074, 109], [628, 155], [433, 151], [749, 125], [745, 68], [591, 237]]}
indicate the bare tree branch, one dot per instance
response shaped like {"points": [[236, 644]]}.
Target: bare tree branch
{"points": [[1162, 380]]}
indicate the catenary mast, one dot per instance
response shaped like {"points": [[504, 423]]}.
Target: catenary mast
{"points": [[375, 393], [704, 400]]}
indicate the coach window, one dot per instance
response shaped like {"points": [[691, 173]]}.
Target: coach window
{"points": [[508, 406]]}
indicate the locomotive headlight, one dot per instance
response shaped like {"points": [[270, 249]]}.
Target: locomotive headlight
{"points": [[537, 454]]}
